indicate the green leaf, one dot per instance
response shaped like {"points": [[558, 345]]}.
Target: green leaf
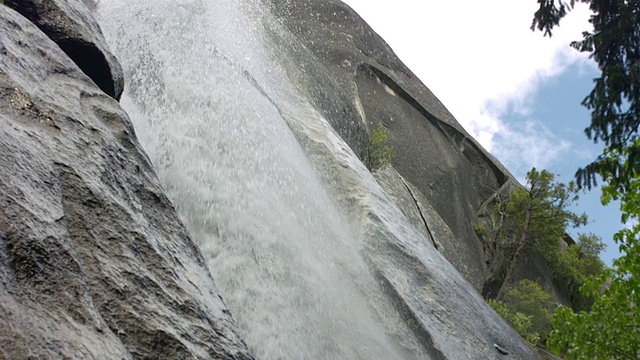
{"points": [[378, 154]]}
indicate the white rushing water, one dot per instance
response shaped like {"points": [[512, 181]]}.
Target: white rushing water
{"points": [[286, 256]]}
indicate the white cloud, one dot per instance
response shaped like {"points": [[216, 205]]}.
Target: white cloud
{"points": [[481, 59], [528, 144]]}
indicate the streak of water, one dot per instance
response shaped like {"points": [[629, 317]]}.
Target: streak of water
{"points": [[208, 104]]}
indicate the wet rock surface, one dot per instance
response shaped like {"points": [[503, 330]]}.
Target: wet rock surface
{"points": [[94, 262], [441, 182], [69, 24], [432, 152]]}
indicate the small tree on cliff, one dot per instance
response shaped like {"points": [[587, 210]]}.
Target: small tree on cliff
{"points": [[575, 265], [537, 216], [528, 309], [377, 154]]}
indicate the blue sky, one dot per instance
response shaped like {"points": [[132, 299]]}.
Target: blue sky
{"points": [[557, 112], [517, 92]]}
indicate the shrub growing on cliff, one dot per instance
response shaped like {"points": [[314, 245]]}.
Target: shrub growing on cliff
{"points": [[528, 309], [575, 264], [377, 154], [520, 322], [537, 217]]}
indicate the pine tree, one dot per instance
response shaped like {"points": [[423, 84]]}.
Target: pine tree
{"points": [[609, 330], [537, 216], [614, 44]]}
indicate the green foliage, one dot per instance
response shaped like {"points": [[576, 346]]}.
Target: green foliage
{"points": [[481, 231], [527, 308], [610, 329], [580, 260], [550, 13], [520, 322], [615, 99], [529, 298], [576, 264], [377, 153], [547, 202], [537, 216]]}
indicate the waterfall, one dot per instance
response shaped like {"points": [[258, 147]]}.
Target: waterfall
{"points": [[233, 144], [310, 254]]}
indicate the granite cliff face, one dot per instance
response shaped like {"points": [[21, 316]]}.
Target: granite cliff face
{"points": [[256, 137], [94, 262], [447, 174], [73, 28], [253, 115], [442, 179]]}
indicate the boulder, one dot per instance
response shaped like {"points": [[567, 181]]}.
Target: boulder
{"points": [[94, 262], [70, 24]]}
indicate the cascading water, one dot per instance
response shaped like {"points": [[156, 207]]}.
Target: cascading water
{"points": [[209, 106], [310, 254]]}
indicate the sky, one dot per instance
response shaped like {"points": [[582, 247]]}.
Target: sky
{"points": [[517, 92]]}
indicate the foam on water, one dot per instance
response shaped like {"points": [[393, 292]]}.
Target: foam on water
{"points": [[217, 117]]}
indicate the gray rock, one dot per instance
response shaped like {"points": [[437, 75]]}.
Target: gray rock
{"points": [[444, 182], [71, 25], [426, 219], [447, 317], [94, 262], [432, 152]]}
